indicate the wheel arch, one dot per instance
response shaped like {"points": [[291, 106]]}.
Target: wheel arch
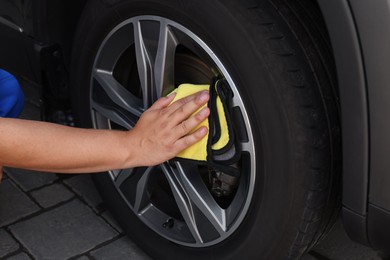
{"points": [[349, 61]]}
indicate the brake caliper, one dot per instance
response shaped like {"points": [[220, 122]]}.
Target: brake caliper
{"points": [[222, 184]]}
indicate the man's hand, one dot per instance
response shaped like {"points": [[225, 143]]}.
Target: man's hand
{"points": [[165, 130]]}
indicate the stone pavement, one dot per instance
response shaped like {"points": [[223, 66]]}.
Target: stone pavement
{"points": [[48, 216], [55, 216]]}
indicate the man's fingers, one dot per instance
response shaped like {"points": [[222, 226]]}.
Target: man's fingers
{"points": [[163, 102], [191, 139], [186, 107], [196, 100], [188, 125], [180, 102]]}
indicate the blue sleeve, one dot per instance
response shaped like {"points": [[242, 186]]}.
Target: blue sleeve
{"points": [[11, 96]]}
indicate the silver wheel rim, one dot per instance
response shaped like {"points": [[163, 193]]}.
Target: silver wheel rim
{"points": [[138, 62]]}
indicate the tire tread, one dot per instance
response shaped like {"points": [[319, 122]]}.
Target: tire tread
{"points": [[321, 126]]}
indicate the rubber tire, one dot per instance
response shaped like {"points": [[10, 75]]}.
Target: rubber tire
{"points": [[279, 57]]}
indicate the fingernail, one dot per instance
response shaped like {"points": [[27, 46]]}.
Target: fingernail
{"points": [[203, 130], [203, 112], [170, 95], [204, 96]]}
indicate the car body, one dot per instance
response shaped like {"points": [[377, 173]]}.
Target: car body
{"points": [[36, 43]]}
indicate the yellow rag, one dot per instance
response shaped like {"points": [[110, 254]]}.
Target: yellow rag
{"points": [[198, 151]]}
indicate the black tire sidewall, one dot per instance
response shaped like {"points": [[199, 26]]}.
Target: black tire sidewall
{"points": [[268, 229]]}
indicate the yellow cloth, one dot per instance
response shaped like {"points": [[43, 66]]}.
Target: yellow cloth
{"points": [[198, 151]]}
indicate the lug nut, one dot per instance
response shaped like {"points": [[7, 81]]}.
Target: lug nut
{"points": [[169, 223]]}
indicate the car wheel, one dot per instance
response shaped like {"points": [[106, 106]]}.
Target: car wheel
{"points": [[276, 59]]}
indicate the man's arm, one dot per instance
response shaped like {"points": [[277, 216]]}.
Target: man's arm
{"points": [[162, 132]]}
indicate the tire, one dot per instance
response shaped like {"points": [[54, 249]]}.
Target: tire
{"points": [[277, 60]]}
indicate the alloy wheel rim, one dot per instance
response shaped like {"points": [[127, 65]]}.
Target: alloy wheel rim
{"points": [[138, 62]]}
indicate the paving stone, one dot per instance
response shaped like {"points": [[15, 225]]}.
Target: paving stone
{"points": [[21, 256], [110, 219], [7, 244], [30, 180], [52, 195], [14, 204], [337, 246], [84, 187], [83, 258], [120, 249], [69, 230]]}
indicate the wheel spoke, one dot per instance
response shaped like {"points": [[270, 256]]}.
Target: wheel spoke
{"points": [[141, 196], [246, 147], [155, 52], [165, 60], [121, 176], [117, 93], [136, 180], [144, 64], [201, 197], [183, 201], [114, 46], [113, 116], [195, 201]]}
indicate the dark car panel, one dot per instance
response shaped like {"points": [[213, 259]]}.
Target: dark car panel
{"points": [[35, 33], [352, 85], [18, 14], [354, 111], [15, 45], [363, 79], [372, 19]]}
